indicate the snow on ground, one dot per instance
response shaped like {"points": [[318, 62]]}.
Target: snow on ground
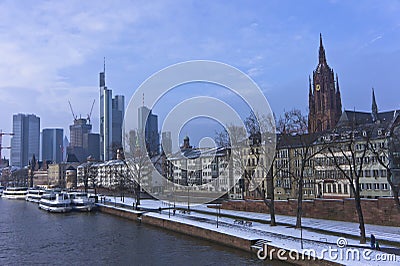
{"points": [[282, 236]]}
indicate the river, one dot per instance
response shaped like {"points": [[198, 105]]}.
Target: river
{"points": [[32, 236]]}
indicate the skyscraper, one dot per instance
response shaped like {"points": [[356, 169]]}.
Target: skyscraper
{"points": [[148, 127], [78, 130], [166, 142], [111, 119], [52, 144], [118, 111], [26, 139], [325, 106]]}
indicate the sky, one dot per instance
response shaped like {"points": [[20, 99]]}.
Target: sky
{"points": [[52, 51]]}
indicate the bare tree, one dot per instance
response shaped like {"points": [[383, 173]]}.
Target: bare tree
{"points": [[293, 126], [260, 143], [349, 158], [138, 164], [250, 149]]}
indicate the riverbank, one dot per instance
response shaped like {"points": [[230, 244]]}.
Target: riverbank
{"points": [[229, 232]]}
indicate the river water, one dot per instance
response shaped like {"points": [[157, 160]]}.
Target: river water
{"points": [[32, 236]]}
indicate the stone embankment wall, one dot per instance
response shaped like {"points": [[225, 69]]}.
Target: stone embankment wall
{"points": [[381, 211], [221, 238]]}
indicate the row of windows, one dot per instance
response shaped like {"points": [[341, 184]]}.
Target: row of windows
{"points": [[375, 186], [336, 188]]}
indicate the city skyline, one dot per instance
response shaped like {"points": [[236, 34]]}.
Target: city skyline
{"points": [[53, 52]]}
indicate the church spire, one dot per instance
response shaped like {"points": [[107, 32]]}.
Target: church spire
{"points": [[337, 84], [374, 107], [322, 58]]}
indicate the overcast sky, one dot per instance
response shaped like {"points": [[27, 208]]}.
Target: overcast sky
{"points": [[52, 51]]}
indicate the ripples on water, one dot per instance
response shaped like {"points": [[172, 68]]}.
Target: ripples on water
{"points": [[32, 236]]}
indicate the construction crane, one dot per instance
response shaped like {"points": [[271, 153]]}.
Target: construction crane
{"points": [[91, 110], [72, 111], [1, 144]]}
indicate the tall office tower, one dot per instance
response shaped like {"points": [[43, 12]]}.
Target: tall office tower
{"points": [[26, 140], [148, 127], [166, 142], [78, 130], [111, 119], [118, 111], [52, 144], [91, 145], [65, 147]]}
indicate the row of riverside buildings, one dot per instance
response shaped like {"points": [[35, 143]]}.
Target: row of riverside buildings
{"points": [[340, 141], [333, 137]]}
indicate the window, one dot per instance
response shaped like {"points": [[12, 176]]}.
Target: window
{"points": [[369, 186], [345, 189], [376, 186], [339, 188], [334, 188], [329, 188]]}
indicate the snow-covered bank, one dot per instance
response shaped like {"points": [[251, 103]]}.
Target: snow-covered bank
{"points": [[284, 237]]}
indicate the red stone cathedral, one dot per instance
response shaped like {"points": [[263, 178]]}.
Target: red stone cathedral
{"points": [[325, 105]]}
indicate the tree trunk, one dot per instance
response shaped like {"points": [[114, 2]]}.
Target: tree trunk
{"points": [[357, 200], [299, 202], [363, 238], [271, 196], [272, 212], [137, 194]]}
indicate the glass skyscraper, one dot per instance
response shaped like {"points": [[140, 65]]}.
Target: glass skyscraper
{"points": [[148, 127], [111, 120], [52, 144], [26, 140]]}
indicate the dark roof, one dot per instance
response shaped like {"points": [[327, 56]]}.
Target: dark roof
{"points": [[298, 140], [71, 158], [360, 118]]}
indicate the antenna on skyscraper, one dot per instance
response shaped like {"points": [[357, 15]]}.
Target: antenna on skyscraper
{"points": [[104, 67], [91, 110]]}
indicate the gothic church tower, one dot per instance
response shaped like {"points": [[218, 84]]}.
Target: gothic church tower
{"points": [[325, 105]]}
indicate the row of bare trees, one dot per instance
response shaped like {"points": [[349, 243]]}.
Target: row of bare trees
{"points": [[347, 148]]}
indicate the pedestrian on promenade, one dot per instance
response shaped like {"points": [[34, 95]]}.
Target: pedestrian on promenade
{"points": [[373, 241]]}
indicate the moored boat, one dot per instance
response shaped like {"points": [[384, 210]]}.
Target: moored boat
{"points": [[55, 202], [34, 195], [15, 193], [80, 201]]}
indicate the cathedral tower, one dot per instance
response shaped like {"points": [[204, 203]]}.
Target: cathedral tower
{"points": [[325, 105]]}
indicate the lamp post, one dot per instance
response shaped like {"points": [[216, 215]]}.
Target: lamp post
{"points": [[301, 236], [216, 209], [188, 199]]}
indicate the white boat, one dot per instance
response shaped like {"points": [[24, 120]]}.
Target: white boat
{"points": [[80, 201], [15, 193], [55, 202], [34, 195], [1, 190]]}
